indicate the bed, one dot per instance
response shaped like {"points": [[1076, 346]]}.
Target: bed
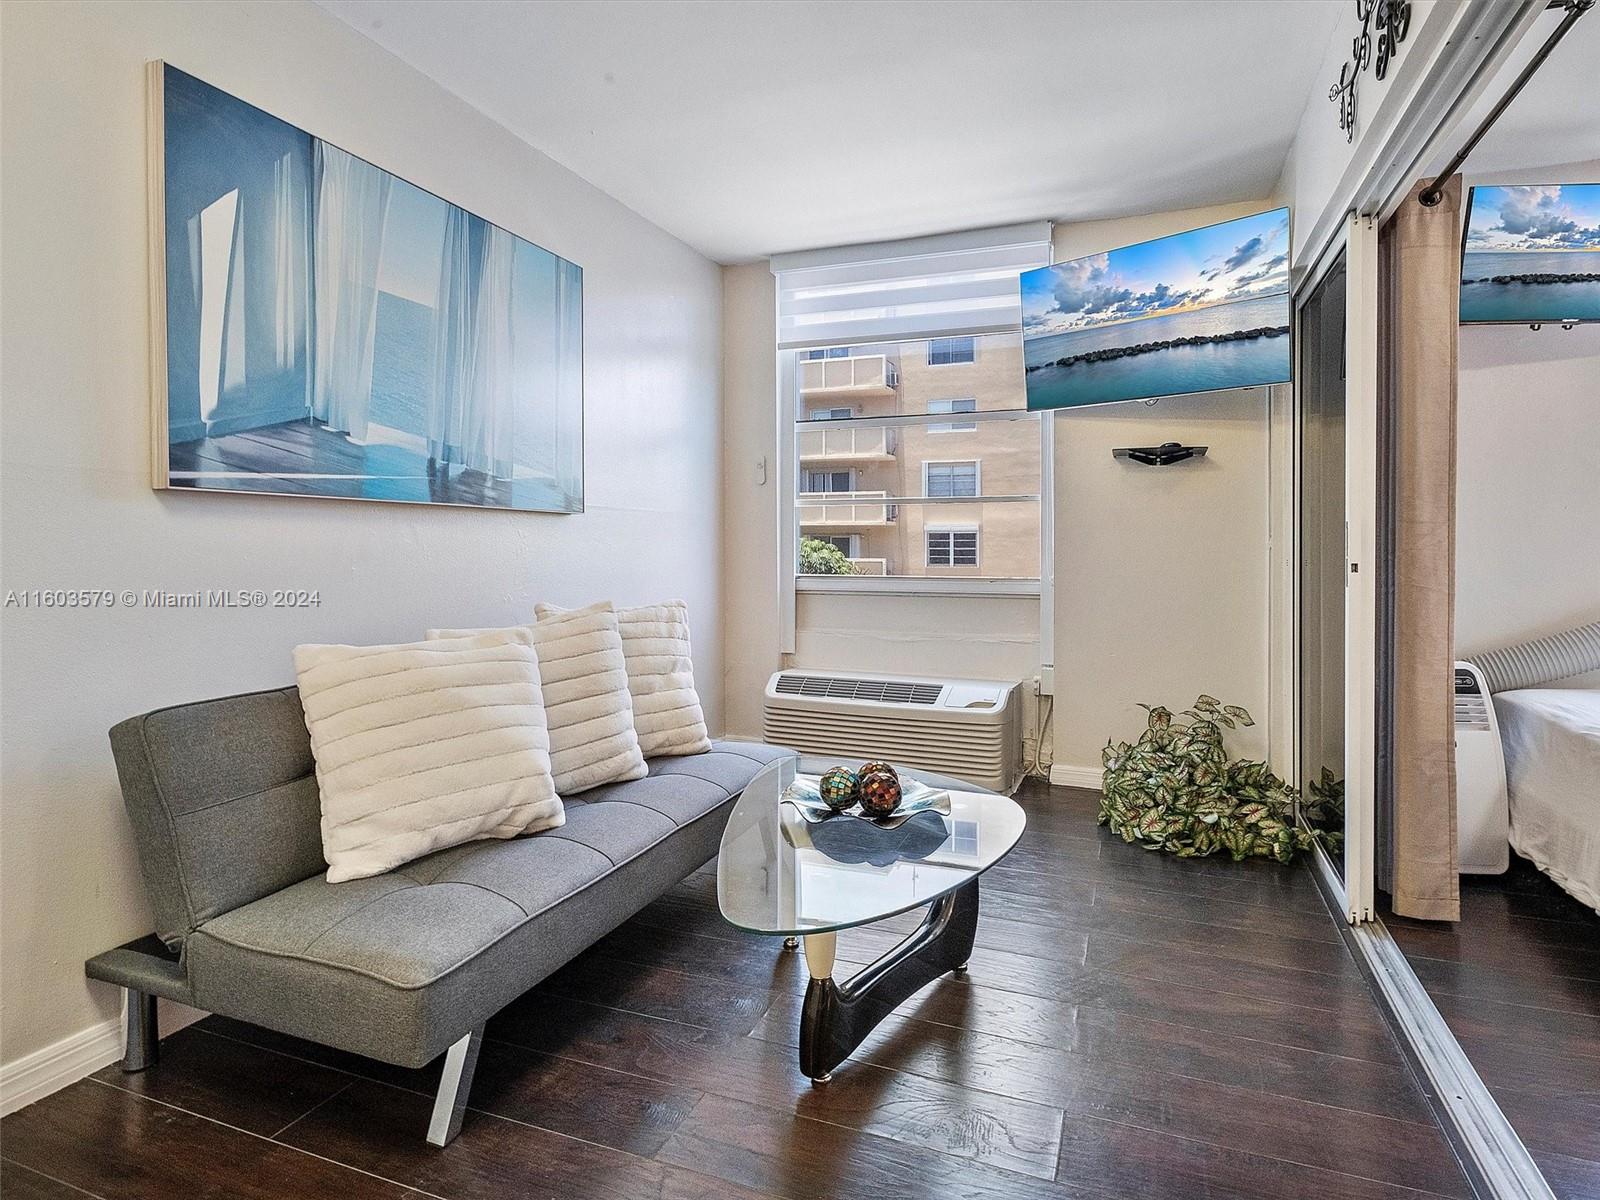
{"points": [[1552, 746]]}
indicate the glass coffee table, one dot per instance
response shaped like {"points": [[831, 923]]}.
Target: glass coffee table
{"points": [[781, 875]]}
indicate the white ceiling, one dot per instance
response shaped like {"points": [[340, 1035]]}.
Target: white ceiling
{"points": [[748, 128], [1556, 119]]}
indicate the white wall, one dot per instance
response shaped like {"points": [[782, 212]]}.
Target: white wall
{"points": [[79, 511], [1527, 490], [1323, 165], [1161, 572], [1527, 496], [750, 498], [971, 637]]}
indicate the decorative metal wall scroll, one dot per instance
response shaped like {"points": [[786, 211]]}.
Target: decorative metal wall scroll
{"points": [[1392, 20]]}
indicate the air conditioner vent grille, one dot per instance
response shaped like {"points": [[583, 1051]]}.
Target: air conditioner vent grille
{"points": [[966, 728], [892, 691], [1472, 712]]}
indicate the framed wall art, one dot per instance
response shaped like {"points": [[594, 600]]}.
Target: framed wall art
{"points": [[322, 327]]}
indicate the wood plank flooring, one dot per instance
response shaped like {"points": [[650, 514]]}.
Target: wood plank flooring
{"points": [[1517, 979], [1132, 1026]]}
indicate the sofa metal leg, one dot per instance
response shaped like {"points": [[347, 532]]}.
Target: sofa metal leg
{"points": [[143, 1045], [450, 1104]]}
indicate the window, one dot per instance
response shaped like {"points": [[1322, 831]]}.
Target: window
{"points": [[948, 351], [939, 461], [884, 455], [947, 479], [826, 481], [848, 544], [966, 405], [952, 547]]}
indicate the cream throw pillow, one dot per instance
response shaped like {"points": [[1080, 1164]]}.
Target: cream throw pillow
{"points": [[655, 645], [586, 705], [424, 746]]}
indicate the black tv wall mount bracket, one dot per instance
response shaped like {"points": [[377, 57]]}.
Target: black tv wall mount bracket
{"points": [[1163, 455]]}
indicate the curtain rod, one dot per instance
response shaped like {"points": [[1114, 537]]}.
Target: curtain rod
{"points": [[1434, 192]]}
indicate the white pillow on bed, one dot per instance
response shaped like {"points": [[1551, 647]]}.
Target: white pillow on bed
{"points": [[586, 702], [655, 646], [425, 745]]}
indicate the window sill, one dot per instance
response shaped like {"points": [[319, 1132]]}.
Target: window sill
{"points": [[879, 585]]}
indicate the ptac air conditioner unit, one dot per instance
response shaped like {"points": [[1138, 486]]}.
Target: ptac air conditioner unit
{"points": [[1483, 819], [967, 728]]}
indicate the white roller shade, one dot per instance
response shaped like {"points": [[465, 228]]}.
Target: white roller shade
{"points": [[924, 287]]}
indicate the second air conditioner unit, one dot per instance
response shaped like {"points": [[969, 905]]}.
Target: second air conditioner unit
{"points": [[1483, 815], [967, 728]]}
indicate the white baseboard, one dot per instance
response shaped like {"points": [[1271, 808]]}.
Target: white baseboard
{"points": [[1063, 775], [34, 1076]]}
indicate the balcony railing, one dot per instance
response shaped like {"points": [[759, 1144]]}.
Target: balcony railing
{"points": [[843, 510], [839, 445], [867, 375]]}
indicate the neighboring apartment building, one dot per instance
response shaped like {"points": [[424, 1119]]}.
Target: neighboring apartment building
{"points": [[848, 476]]}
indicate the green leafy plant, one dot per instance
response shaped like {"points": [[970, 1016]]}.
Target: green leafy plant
{"points": [[1174, 789], [823, 558], [1322, 808]]}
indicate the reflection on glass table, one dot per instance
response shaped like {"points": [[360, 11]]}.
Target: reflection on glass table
{"points": [[781, 875]]}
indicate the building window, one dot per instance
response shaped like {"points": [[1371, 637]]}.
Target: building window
{"points": [[949, 479], [826, 481], [965, 405], [952, 547], [948, 351], [907, 323], [884, 448], [848, 544]]}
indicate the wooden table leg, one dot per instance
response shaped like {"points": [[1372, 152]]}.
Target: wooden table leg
{"points": [[837, 1017]]}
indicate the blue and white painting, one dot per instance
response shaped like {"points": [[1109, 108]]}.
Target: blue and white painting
{"points": [[1196, 312], [1532, 254], [333, 330]]}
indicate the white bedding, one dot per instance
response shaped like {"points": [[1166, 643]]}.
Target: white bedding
{"points": [[1552, 743]]}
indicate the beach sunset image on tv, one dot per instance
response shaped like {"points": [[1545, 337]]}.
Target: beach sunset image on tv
{"points": [[1532, 254], [1196, 312]]}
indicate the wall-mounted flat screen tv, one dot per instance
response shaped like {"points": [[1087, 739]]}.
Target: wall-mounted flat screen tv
{"points": [[1195, 312], [1531, 254]]}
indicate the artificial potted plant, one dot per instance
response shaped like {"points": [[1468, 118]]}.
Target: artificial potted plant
{"points": [[1174, 789]]}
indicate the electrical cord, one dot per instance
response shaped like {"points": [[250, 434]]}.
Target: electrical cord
{"points": [[1038, 768]]}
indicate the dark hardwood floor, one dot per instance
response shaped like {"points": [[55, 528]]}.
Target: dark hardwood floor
{"points": [[1132, 1026], [1517, 979]]}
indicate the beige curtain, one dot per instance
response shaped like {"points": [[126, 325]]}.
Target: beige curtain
{"points": [[1420, 261]]}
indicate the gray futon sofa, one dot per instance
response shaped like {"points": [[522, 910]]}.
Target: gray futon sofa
{"points": [[399, 967]]}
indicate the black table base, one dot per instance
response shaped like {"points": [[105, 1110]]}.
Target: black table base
{"points": [[837, 1017]]}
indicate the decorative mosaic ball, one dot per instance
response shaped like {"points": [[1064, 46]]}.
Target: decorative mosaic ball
{"points": [[839, 788], [873, 767], [880, 793]]}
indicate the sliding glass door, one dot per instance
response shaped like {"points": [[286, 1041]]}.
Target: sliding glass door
{"points": [[1321, 559], [1335, 518]]}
